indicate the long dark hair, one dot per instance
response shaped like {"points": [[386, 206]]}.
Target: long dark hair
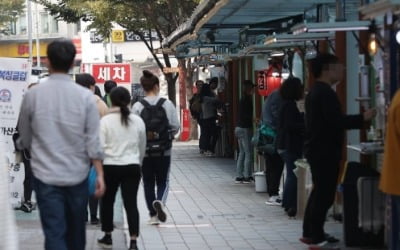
{"points": [[121, 98], [149, 80]]}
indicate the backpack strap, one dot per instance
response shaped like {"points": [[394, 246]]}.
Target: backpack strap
{"points": [[145, 103], [160, 102]]}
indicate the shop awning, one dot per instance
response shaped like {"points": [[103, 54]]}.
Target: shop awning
{"points": [[223, 20]]}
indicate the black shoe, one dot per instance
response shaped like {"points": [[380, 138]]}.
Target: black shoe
{"points": [[291, 212], [159, 207], [133, 245], [106, 241], [246, 180], [239, 180], [94, 221], [27, 207]]}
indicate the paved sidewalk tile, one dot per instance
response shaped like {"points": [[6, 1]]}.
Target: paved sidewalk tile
{"points": [[206, 210]]}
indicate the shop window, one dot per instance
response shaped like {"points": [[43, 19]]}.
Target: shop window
{"points": [[44, 23], [22, 27]]}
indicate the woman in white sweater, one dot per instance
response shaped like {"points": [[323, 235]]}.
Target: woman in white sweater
{"points": [[123, 137]]}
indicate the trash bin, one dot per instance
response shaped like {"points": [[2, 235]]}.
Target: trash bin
{"points": [[260, 182]]}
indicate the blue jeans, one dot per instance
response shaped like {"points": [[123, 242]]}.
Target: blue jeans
{"points": [[290, 189], [155, 171], [63, 214], [395, 237], [244, 165]]}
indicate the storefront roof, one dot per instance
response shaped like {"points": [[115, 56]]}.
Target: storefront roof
{"points": [[223, 20]]}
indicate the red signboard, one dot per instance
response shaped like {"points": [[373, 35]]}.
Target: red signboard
{"points": [[118, 72]]}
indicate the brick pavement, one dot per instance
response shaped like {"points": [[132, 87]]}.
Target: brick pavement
{"points": [[206, 210]]}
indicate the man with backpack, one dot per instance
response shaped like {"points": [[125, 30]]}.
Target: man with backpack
{"points": [[161, 120]]}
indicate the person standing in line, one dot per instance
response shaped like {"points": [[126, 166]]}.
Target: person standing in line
{"points": [[209, 105], [60, 150], [290, 139], [195, 111], [87, 81], [123, 137], [273, 162], [324, 139], [156, 166], [389, 180], [108, 86], [244, 133]]}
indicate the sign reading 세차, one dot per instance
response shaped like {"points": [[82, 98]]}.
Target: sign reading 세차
{"points": [[118, 72]]}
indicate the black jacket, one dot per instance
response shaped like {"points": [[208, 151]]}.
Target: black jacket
{"points": [[291, 128], [245, 114], [326, 123]]}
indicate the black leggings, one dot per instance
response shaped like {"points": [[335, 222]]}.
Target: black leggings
{"points": [[128, 177], [274, 168], [28, 176]]}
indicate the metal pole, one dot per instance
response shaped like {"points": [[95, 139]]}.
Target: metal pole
{"points": [[37, 38], [29, 9]]}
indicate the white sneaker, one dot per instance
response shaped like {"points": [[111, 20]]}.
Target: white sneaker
{"points": [[153, 220], [274, 200]]}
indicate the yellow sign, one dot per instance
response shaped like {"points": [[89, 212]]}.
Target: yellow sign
{"points": [[117, 36], [21, 50]]}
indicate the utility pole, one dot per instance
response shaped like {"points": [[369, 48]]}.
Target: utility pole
{"points": [[29, 10]]}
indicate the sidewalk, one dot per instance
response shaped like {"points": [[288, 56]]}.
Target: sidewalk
{"points": [[206, 210]]}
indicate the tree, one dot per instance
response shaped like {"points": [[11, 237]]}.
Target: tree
{"points": [[138, 16], [9, 11]]}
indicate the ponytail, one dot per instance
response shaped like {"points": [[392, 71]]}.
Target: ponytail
{"points": [[125, 112], [121, 98]]}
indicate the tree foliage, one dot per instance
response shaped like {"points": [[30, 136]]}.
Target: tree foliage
{"points": [[138, 16], [9, 11]]}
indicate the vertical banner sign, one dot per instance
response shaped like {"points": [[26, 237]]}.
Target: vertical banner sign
{"points": [[14, 78]]}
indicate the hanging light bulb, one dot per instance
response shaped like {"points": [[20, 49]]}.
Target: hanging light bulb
{"points": [[372, 44]]}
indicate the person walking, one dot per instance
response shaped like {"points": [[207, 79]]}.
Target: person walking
{"points": [[324, 139], [273, 161], [87, 81], [123, 137], [60, 150], [108, 86], [290, 139], [161, 120], [389, 180], [244, 133]]}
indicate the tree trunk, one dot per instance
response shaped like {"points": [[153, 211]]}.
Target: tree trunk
{"points": [[171, 87]]}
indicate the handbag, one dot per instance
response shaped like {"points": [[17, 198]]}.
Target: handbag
{"points": [[92, 177], [265, 140]]}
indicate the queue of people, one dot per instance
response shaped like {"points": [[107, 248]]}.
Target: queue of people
{"points": [[317, 135]]}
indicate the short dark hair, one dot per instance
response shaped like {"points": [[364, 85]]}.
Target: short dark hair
{"points": [[84, 79], [109, 85], [121, 98], [61, 54], [321, 63], [149, 81], [214, 80], [292, 89]]}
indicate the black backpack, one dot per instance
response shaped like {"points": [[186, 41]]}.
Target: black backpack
{"points": [[159, 138]]}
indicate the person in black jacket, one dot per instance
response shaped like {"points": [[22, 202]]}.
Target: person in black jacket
{"points": [[324, 139], [290, 139], [244, 132]]}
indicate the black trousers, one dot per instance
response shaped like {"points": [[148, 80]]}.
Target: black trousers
{"points": [[210, 134], [324, 176], [28, 186], [274, 168], [128, 177]]}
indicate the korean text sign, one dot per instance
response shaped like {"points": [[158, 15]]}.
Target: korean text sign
{"points": [[118, 72]]}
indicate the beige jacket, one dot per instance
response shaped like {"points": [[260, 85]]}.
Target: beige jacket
{"points": [[101, 106]]}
